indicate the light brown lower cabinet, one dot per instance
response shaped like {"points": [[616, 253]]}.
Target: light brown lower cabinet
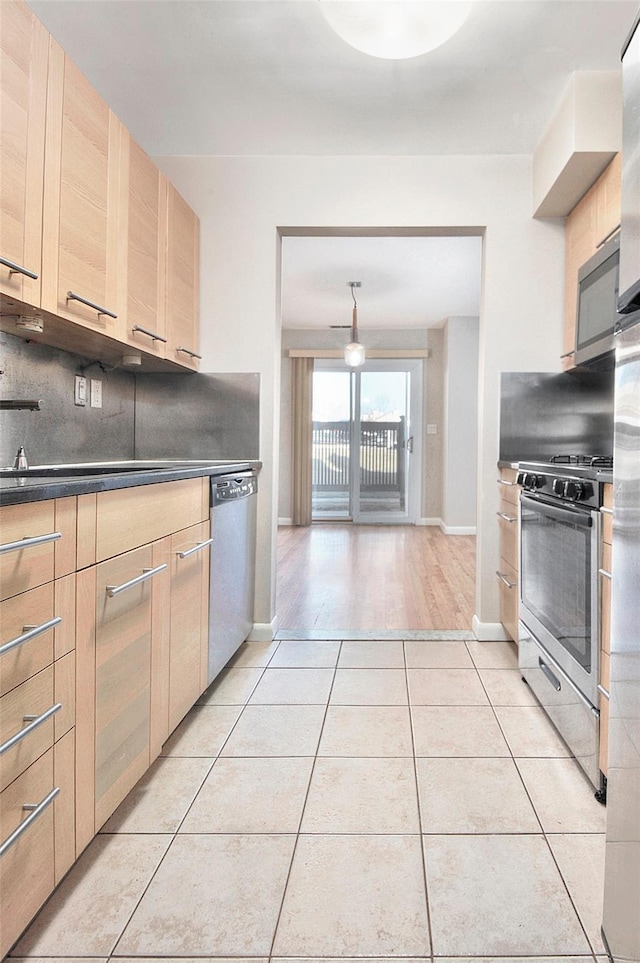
{"points": [[606, 572], [507, 572]]}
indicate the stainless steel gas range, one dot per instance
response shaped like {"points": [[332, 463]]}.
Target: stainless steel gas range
{"points": [[559, 641]]}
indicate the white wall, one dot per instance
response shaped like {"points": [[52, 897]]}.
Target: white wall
{"points": [[242, 201], [460, 426]]}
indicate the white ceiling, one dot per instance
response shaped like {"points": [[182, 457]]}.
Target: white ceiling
{"points": [[407, 282], [270, 77]]}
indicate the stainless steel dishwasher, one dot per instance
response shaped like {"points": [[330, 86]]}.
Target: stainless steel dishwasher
{"points": [[233, 559]]}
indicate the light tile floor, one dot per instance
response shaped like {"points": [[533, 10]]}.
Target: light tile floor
{"points": [[341, 800]]}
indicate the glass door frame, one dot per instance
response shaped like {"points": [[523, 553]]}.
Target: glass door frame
{"points": [[414, 368]]}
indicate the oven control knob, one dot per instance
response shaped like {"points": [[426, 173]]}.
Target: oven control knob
{"points": [[558, 486], [520, 477], [532, 482], [573, 490]]}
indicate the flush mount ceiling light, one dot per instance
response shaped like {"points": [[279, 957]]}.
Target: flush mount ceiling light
{"points": [[395, 29], [354, 353]]}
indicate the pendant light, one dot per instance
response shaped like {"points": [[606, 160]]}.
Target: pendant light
{"points": [[354, 352]]}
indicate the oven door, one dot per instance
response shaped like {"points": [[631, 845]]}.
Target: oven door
{"points": [[559, 552]]}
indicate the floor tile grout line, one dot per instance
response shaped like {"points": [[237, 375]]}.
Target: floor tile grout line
{"points": [[302, 811]]}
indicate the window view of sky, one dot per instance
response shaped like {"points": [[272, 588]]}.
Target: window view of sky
{"points": [[383, 395]]}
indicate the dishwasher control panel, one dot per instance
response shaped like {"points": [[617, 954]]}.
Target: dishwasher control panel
{"points": [[227, 489]]}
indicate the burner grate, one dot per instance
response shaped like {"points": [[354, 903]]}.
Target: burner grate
{"points": [[588, 461]]}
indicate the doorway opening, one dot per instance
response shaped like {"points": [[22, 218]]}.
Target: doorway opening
{"points": [[366, 442]]}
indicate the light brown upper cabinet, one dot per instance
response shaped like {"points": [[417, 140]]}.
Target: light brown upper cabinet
{"points": [[142, 284], [24, 52], [592, 221], [182, 280], [80, 230]]}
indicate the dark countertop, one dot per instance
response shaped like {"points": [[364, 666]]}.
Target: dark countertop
{"points": [[125, 474]]}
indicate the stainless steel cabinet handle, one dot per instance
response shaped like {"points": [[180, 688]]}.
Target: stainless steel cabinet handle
{"points": [[603, 691], [510, 484], [18, 269], [567, 354], [147, 573], [191, 354], [36, 809], [29, 632], [149, 334], [90, 304], [196, 548], [603, 572], [29, 542], [605, 510], [507, 518], [503, 578], [34, 722]]}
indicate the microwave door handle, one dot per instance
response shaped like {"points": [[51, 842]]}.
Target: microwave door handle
{"points": [[583, 519]]}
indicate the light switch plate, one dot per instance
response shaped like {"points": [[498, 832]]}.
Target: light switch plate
{"points": [[432, 429], [80, 391], [96, 393]]}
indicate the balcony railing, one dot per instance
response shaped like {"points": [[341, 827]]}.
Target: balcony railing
{"points": [[382, 458]]}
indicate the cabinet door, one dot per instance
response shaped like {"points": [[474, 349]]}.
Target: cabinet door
{"points": [[580, 234], [123, 678], [24, 48], [189, 620], [609, 201], [81, 200], [139, 269], [182, 275]]}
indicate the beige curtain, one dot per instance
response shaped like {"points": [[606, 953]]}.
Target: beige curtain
{"points": [[302, 440]]}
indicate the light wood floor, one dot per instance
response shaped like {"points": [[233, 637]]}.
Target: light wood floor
{"points": [[371, 577]]}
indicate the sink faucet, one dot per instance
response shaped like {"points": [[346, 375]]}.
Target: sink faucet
{"points": [[20, 460]]}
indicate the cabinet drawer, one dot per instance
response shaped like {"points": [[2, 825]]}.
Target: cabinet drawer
{"points": [[29, 617], [129, 517], [509, 592], [24, 566], [509, 491], [508, 523], [28, 864], [35, 697]]}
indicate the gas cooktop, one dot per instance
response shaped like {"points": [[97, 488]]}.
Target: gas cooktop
{"points": [[573, 478]]}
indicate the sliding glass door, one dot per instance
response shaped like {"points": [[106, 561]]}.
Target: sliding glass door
{"points": [[365, 458]]}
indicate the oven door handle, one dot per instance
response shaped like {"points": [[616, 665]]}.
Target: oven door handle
{"points": [[580, 517]]}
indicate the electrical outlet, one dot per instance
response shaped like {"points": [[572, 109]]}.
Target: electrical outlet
{"points": [[96, 393], [80, 391]]}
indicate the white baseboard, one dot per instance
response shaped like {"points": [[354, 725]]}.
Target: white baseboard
{"points": [[489, 631], [263, 631], [429, 521], [458, 529], [285, 521]]}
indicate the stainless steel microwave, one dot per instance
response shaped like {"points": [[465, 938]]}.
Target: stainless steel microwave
{"points": [[597, 314]]}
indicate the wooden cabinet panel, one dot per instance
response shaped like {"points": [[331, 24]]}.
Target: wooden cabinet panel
{"points": [[182, 273], [64, 602], [64, 804], [189, 579], [31, 698], [34, 608], [122, 680], [24, 568], [24, 50], [27, 875], [509, 490], [508, 585], [85, 706], [81, 199], [160, 648], [128, 517], [588, 225], [64, 680], [141, 262]]}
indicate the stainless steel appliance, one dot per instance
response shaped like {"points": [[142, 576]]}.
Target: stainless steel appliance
{"points": [[621, 915], [559, 595], [233, 553], [597, 304]]}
